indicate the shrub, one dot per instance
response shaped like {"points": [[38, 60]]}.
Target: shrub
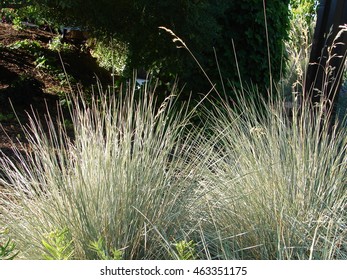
{"points": [[58, 245], [7, 247], [57, 45], [104, 253], [32, 46], [110, 54], [28, 13], [251, 47]]}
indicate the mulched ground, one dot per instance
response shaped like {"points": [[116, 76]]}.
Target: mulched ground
{"points": [[30, 88]]}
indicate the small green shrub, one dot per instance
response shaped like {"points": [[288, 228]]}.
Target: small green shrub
{"points": [[110, 54], [6, 117], [17, 23], [44, 62], [57, 45], [32, 46], [8, 14], [64, 78], [29, 13], [7, 247], [58, 245], [104, 253], [186, 250]]}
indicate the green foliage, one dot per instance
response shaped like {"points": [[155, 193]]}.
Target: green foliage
{"points": [[8, 15], [258, 42], [303, 17], [103, 253], [6, 117], [64, 78], [58, 245], [17, 23], [203, 25], [15, 3], [298, 45], [57, 45], [42, 62], [186, 250], [32, 46], [111, 54], [305, 9], [23, 13], [32, 14], [7, 247]]}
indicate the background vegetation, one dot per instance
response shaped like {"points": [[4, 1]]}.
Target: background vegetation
{"points": [[234, 31]]}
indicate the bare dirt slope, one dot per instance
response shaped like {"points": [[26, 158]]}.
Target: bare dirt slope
{"points": [[32, 77]]}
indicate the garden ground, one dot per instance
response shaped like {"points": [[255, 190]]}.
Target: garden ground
{"points": [[35, 78]]}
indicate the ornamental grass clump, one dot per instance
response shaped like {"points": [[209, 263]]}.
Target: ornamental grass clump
{"points": [[275, 185], [121, 178]]}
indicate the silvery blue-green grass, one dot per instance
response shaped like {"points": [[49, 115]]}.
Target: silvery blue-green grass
{"points": [[275, 185], [247, 185], [123, 178]]}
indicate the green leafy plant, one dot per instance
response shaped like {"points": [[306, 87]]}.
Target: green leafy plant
{"points": [[253, 38], [18, 11], [6, 117], [41, 62], [17, 23], [8, 14], [57, 45], [110, 54], [64, 78], [32, 46], [58, 245], [45, 62], [7, 247], [186, 250], [304, 9], [103, 253]]}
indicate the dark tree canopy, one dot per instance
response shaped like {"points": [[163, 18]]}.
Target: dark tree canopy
{"points": [[15, 3], [204, 25]]}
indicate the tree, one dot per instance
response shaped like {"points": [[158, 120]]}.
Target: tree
{"points": [[204, 25], [253, 39], [306, 8]]}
